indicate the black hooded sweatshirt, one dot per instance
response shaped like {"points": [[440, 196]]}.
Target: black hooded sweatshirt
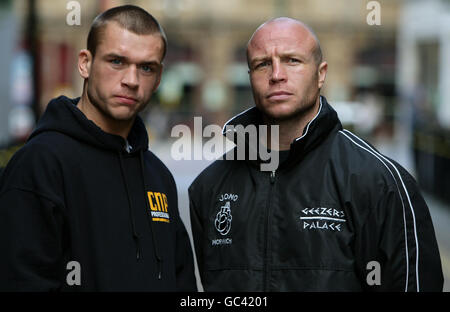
{"points": [[85, 210]]}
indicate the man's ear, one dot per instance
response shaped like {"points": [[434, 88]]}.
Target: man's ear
{"points": [[84, 63], [322, 72]]}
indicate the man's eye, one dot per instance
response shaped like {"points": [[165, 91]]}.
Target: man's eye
{"points": [[146, 68], [294, 60], [116, 62], [261, 65]]}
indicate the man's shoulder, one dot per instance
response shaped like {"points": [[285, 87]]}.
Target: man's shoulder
{"points": [[46, 147], [216, 171], [43, 152], [155, 163], [50, 139], [36, 163], [347, 146], [358, 157], [36, 148]]}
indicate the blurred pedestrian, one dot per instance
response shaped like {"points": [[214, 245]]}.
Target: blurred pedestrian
{"points": [[85, 206], [335, 215]]}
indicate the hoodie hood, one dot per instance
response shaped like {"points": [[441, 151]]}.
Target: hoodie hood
{"points": [[62, 115]]}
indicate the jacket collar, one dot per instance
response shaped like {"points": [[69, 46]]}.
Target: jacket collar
{"points": [[313, 134]]}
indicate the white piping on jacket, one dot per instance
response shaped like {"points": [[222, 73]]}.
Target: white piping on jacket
{"points": [[223, 128], [307, 126], [378, 155]]}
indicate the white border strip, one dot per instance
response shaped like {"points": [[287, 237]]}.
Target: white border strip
{"points": [[378, 155]]}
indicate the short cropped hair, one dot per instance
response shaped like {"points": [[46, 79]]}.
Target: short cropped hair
{"points": [[129, 17]]}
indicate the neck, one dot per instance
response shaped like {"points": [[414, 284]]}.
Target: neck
{"points": [[104, 122], [292, 128]]}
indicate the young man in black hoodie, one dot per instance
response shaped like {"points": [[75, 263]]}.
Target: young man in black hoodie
{"points": [[85, 206]]}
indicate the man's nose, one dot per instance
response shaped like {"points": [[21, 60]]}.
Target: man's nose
{"points": [[130, 77], [278, 72]]}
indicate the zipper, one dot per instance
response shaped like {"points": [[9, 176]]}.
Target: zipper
{"points": [[272, 177], [266, 272]]}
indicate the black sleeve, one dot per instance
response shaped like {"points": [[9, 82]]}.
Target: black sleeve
{"points": [[30, 241], [31, 222], [399, 235], [184, 259], [197, 231]]}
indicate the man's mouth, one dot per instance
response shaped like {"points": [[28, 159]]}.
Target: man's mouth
{"points": [[278, 95], [125, 99]]}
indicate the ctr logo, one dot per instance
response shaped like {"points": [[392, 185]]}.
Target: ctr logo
{"points": [[223, 219]]}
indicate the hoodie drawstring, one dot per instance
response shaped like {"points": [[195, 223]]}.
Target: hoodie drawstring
{"points": [[130, 208], [155, 245]]}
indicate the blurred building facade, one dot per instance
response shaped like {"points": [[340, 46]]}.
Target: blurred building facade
{"points": [[8, 34], [205, 70], [424, 89]]}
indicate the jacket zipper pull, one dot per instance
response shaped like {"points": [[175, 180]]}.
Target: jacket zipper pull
{"points": [[138, 246], [159, 260], [272, 177]]}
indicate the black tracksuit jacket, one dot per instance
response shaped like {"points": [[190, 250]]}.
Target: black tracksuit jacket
{"points": [[335, 216]]}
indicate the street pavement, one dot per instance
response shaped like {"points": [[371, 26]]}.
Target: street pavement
{"points": [[185, 171]]}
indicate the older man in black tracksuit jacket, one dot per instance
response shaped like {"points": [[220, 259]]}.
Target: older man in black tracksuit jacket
{"points": [[336, 215]]}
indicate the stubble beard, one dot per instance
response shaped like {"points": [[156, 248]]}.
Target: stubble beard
{"points": [[306, 106], [103, 110], [301, 111]]}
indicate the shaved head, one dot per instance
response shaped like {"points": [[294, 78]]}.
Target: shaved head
{"points": [[286, 71], [289, 22]]}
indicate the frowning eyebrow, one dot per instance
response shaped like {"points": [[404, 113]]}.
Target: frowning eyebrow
{"points": [[127, 60], [259, 59], [288, 54]]}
